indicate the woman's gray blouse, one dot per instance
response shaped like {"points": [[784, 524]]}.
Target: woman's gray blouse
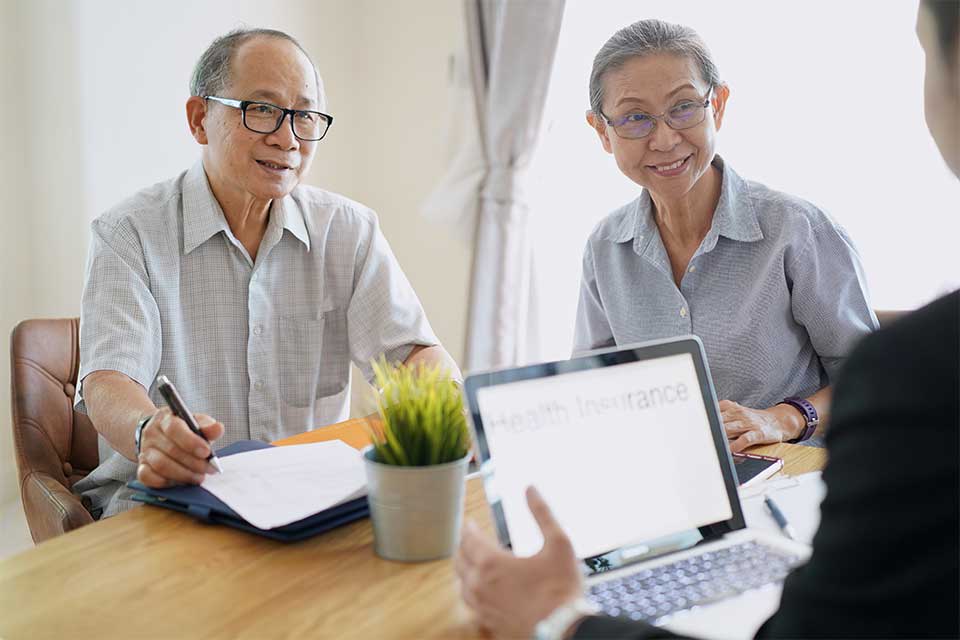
{"points": [[776, 291]]}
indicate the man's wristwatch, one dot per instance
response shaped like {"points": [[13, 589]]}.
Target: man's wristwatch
{"points": [[809, 412], [139, 431], [556, 625]]}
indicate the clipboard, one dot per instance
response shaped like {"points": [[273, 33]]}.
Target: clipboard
{"points": [[204, 506]]}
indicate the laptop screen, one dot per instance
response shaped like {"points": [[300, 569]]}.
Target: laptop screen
{"points": [[623, 451]]}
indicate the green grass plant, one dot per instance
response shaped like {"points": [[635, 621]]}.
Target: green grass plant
{"points": [[422, 417]]}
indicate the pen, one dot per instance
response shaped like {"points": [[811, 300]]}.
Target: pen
{"points": [[779, 517], [175, 402]]}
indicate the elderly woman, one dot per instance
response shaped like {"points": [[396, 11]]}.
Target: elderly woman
{"points": [[772, 286], [885, 558]]}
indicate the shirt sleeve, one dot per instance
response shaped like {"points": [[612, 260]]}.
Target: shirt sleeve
{"points": [[384, 315], [119, 317], [829, 295], [592, 330]]}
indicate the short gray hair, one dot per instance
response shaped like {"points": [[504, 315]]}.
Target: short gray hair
{"points": [[211, 75], [644, 38]]}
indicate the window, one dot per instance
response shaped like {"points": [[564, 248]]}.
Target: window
{"points": [[883, 180]]}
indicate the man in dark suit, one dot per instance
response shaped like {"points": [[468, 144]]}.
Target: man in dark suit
{"points": [[885, 559]]}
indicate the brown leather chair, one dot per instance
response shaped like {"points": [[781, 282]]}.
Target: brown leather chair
{"points": [[55, 446]]}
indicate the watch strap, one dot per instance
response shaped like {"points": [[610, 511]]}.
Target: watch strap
{"points": [[138, 433], [810, 414]]}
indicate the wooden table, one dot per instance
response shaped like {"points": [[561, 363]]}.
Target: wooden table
{"points": [[156, 573]]}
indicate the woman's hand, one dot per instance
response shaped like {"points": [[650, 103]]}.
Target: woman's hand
{"points": [[747, 427]]}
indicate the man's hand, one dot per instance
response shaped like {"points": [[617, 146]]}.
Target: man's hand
{"points": [[170, 453], [746, 427], [510, 594]]}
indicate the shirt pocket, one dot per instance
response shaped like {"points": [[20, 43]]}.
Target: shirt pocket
{"points": [[314, 357], [335, 368], [300, 355]]}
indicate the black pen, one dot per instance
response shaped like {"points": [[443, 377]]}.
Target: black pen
{"points": [[779, 517], [175, 402]]}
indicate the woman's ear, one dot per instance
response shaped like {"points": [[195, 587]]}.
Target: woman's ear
{"points": [[599, 125], [719, 101]]}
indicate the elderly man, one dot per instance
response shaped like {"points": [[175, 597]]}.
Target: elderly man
{"points": [[251, 292], [885, 559]]}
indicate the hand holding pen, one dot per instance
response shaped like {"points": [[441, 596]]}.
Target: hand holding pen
{"points": [[174, 446]]}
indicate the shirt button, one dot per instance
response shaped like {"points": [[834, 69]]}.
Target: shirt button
{"points": [[683, 312], [258, 330], [255, 276], [692, 268], [258, 385]]}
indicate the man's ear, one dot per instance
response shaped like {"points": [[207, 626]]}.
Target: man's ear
{"points": [[196, 113], [720, 94], [600, 126]]}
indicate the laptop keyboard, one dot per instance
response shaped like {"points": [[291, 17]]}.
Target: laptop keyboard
{"points": [[651, 594]]}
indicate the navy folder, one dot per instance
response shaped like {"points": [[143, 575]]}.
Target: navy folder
{"points": [[203, 505]]}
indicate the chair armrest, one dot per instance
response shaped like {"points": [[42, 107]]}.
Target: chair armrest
{"points": [[50, 507]]}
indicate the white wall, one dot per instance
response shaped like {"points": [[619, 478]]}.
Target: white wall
{"points": [[108, 81], [401, 162], [14, 253]]}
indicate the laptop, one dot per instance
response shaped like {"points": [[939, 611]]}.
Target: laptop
{"points": [[627, 447]]}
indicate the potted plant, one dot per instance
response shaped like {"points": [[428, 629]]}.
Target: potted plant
{"points": [[417, 464]]}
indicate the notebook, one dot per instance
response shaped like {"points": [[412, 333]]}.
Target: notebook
{"points": [[203, 505], [628, 448]]}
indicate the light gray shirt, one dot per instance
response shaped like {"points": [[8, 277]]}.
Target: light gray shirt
{"points": [[264, 346], [776, 291]]}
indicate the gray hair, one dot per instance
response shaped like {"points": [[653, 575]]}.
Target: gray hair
{"points": [[211, 75], [644, 38]]}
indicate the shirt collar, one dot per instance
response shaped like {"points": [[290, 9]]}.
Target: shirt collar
{"points": [[735, 216], [291, 218], [203, 218]]}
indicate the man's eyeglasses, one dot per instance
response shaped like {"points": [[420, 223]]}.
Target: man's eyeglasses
{"points": [[683, 115], [263, 117]]}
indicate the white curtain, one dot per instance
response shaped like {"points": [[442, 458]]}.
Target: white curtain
{"points": [[511, 50]]}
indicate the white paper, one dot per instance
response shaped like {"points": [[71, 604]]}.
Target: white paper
{"points": [[275, 486], [798, 497]]}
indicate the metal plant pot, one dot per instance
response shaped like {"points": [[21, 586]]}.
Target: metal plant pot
{"points": [[416, 511]]}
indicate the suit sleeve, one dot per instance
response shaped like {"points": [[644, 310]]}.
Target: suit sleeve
{"points": [[607, 627], [884, 559]]}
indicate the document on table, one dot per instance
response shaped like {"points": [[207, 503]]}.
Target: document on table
{"points": [[798, 497], [278, 485]]}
